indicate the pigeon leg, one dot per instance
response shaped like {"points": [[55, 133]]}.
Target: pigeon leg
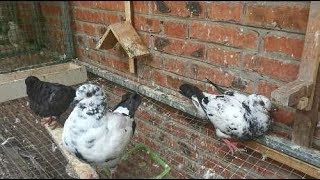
{"points": [[53, 125], [46, 120], [232, 146]]}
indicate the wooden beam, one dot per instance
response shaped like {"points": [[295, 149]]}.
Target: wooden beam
{"points": [[128, 14], [308, 67], [285, 159], [291, 93], [305, 121], [128, 11]]}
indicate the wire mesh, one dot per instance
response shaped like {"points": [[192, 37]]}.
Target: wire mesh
{"points": [[187, 144], [27, 150], [196, 153], [32, 36]]}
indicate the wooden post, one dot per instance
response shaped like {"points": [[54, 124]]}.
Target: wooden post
{"points": [[128, 14], [305, 121]]}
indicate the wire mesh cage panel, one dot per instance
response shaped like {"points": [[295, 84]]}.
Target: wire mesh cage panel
{"points": [[33, 34], [196, 153], [27, 150]]}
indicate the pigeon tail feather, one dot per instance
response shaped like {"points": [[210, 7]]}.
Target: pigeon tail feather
{"points": [[221, 90], [129, 104]]}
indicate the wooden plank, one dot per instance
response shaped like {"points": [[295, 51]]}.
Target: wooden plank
{"points": [[129, 39], [132, 67], [291, 93], [308, 67], [128, 11], [285, 159], [128, 14], [306, 121], [311, 52], [81, 170]]}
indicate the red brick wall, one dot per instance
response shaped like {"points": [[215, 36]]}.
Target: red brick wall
{"points": [[247, 46]]}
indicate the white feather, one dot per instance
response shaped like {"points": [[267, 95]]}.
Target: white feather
{"points": [[97, 137]]}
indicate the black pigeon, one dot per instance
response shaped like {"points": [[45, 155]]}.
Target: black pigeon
{"points": [[49, 100]]}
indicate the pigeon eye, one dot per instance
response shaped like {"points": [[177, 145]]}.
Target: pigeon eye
{"points": [[89, 94], [261, 103]]}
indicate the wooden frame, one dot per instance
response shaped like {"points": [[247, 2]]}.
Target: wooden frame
{"points": [[303, 94]]}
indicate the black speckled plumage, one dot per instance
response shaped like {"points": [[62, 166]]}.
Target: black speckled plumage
{"points": [[48, 99]]}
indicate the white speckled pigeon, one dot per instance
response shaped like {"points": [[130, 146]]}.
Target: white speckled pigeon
{"points": [[234, 115], [96, 135]]}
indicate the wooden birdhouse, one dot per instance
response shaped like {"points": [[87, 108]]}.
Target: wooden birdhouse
{"points": [[127, 36]]}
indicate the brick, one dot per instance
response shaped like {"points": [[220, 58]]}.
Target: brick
{"points": [[175, 29], [225, 11], [152, 118], [153, 61], [109, 18], [174, 82], [215, 75], [142, 23], [120, 65], [179, 8], [110, 5], [100, 30], [159, 78], [173, 129], [290, 46], [79, 53], [243, 84], [175, 66], [141, 6], [265, 88], [145, 39], [186, 149], [225, 35], [88, 29], [282, 15], [94, 56], [283, 116], [271, 67], [86, 15], [143, 127], [179, 47], [95, 17], [223, 57]]}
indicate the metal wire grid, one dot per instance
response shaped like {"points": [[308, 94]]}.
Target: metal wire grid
{"points": [[32, 153], [201, 155], [45, 42], [27, 150], [137, 164]]}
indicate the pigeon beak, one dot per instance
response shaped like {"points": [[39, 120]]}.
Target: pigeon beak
{"points": [[74, 103]]}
